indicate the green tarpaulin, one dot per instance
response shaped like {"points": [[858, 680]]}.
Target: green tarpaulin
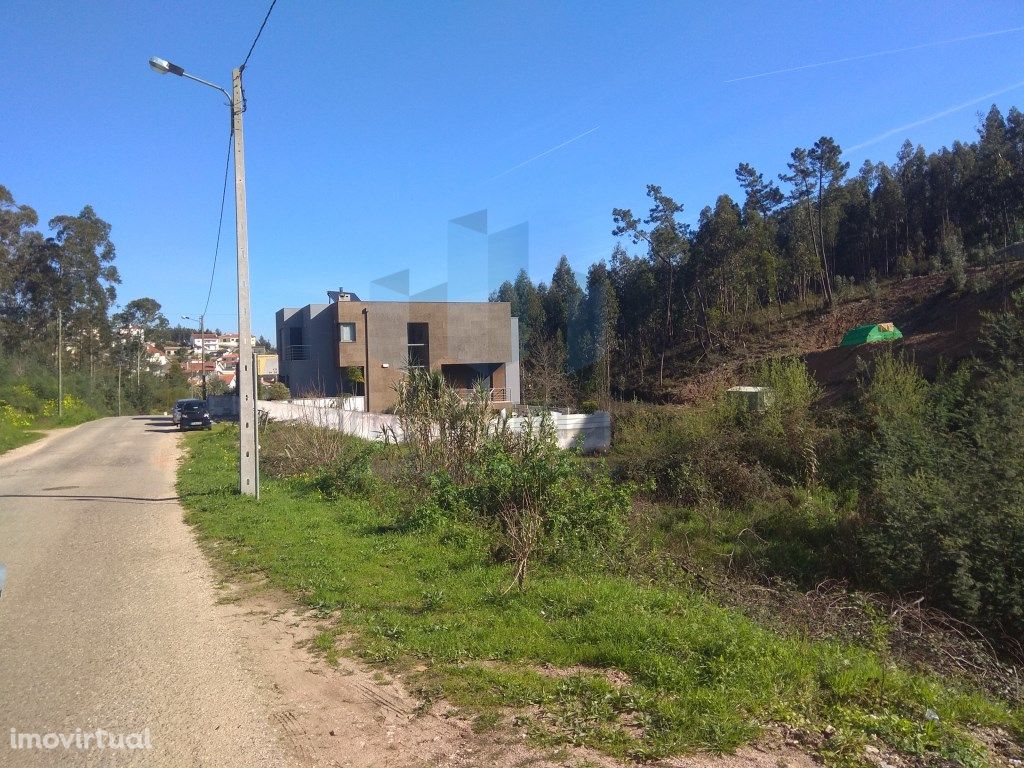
{"points": [[868, 334]]}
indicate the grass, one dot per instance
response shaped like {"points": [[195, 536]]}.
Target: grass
{"points": [[15, 435], [12, 436], [647, 669]]}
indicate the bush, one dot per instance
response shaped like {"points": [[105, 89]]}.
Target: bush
{"points": [[441, 431], [21, 397], [539, 502], [733, 487], [275, 390], [978, 282], [786, 434], [872, 285], [349, 472], [336, 463], [943, 507], [843, 287], [13, 418], [75, 411], [721, 453]]}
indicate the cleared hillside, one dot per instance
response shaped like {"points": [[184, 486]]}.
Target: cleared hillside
{"points": [[938, 324]]}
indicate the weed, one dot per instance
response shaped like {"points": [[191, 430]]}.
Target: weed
{"points": [[688, 674]]}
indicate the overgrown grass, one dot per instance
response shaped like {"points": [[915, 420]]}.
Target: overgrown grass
{"points": [[12, 436], [23, 412], [650, 669]]}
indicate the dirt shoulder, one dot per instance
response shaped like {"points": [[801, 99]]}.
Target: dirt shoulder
{"points": [[355, 716]]}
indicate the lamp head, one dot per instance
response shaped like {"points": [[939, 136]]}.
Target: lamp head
{"points": [[163, 67]]}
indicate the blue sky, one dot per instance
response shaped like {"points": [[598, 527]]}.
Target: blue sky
{"points": [[371, 125]]}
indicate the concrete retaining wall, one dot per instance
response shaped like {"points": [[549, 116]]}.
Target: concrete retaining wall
{"points": [[591, 432]]}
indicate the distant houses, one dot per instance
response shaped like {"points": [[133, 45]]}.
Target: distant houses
{"points": [[213, 355]]}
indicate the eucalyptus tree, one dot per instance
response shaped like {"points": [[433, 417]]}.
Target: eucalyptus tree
{"points": [[667, 241]]}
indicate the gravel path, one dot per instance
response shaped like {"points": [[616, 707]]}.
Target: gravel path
{"points": [[109, 618]]}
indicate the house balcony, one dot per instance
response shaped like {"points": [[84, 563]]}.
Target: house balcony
{"points": [[297, 352], [494, 394]]}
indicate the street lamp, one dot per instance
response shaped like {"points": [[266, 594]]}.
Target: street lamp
{"points": [[248, 458], [202, 348]]}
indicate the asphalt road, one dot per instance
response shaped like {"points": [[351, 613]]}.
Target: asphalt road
{"points": [[109, 617]]}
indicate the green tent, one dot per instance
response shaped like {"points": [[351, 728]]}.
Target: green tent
{"points": [[869, 334]]}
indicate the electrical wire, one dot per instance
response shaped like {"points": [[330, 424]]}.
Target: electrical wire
{"points": [[260, 32], [227, 163], [220, 223]]}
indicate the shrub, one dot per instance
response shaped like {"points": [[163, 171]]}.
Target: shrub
{"points": [[275, 390], [720, 454], [541, 503], [536, 501], [441, 431], [12, 417], [21, 397], [978, 282], [952, 256], [349, 472], [75, 410], [733, 487], [786, 433], [843, 287], [336, 463], [872, 285], [943, 508]]}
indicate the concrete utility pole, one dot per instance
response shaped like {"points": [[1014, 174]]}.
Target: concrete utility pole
{"points": [[202, 354], [60, 364], [202, 350], [249, 478], [248, 445]]}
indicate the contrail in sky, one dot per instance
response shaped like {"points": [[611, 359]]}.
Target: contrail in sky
{"points": [[876, 54], [545, 152], [936, 116]]}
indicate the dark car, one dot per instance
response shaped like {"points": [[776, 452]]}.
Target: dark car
{"points": [[176, 411], [193, 413]]}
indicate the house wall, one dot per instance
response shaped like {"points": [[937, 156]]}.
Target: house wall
{"points": [[459, 332], [512, 366], [319, 372]]}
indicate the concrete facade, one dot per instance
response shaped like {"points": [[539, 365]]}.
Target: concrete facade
{"points": [[305, 344], [468, 342]]}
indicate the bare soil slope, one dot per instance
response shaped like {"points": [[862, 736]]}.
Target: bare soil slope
{"points": [[938, 324]]}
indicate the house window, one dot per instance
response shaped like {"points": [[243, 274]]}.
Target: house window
{"points": [[295, 336], [346, 331], [419, 345]]}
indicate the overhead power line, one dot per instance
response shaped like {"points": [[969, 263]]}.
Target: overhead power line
{"points": [[220, 222], [260, 32]]}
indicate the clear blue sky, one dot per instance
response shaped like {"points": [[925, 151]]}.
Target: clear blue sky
{"points": [[371, 125]]}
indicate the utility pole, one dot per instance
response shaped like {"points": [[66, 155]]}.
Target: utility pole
{"points": [[119, 389], [248, 446], [249, 480], [60, 363], [202, 349], [202, 353]]}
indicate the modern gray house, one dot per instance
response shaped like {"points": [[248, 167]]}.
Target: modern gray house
{"points": [[363, 348]]}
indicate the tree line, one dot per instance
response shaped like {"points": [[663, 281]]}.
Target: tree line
{"points": [[803, 237], [59, 288]]}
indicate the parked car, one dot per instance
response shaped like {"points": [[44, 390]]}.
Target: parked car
{"points": [[193, 413], [176, 410]]}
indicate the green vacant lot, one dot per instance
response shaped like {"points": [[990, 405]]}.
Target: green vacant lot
{"points": [[631, 667]]}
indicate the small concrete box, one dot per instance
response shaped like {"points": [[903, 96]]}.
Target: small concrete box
{"points": [[754, 399]]}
